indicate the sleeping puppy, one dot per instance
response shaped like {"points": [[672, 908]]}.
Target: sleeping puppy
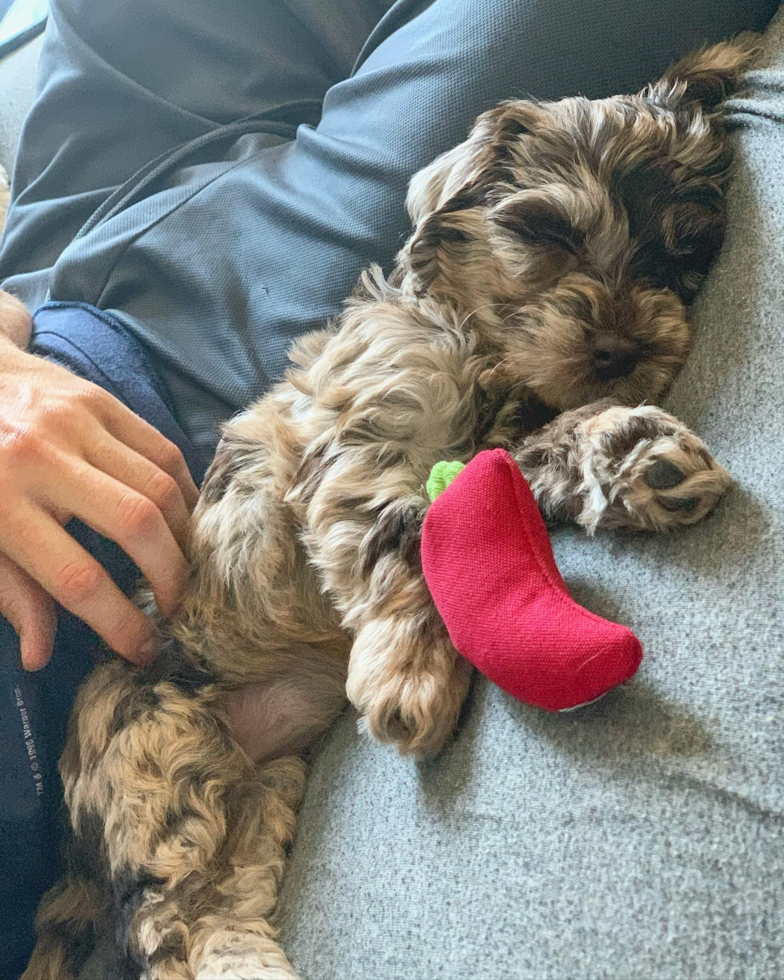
{"points": [[552, 263]]}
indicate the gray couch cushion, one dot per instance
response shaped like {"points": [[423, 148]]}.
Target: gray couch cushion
{"points": [[17, 84], [641, 837]]}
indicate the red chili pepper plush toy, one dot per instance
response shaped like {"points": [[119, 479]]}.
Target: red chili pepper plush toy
{"points": [[490, 568]]}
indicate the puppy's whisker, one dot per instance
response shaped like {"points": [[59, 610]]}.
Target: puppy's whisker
{"points": [[509, 316], [510, 359], [484, 306]]}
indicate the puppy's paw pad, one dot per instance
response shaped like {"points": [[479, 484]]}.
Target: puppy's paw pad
{"points": [[652, 472], [674, 482], [663, 475]]}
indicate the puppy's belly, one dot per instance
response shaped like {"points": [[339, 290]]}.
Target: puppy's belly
{"points": [[283, 717]]}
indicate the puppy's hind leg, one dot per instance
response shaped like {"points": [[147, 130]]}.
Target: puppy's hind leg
{"points": [[210, 849], [233, 938], [65, 925], [183, 829], [271, 721], [77, 904], [148, 769], [201, 907]]}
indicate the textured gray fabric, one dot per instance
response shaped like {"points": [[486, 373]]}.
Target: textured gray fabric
{"points": [[17, 85], [641, 837]]}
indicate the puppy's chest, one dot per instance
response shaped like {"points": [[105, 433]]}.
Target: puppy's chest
{"points": [[506, 419]]}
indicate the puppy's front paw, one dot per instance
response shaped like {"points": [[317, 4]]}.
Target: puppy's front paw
{"points": [[644, 469], [242, 956], [408, 684]]}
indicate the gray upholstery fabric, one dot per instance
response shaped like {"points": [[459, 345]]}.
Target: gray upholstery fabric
{"points": [[17, 84], [640, 837]]}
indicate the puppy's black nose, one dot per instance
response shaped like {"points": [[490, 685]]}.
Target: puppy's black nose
{"points": [[614, 357]]}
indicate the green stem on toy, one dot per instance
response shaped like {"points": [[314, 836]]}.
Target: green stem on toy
{"points": [[441, 476]]}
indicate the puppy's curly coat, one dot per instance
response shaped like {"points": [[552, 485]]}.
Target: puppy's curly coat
{"points": [[552, 261]]}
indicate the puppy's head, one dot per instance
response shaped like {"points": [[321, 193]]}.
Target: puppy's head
{"points": [[575, 234]]}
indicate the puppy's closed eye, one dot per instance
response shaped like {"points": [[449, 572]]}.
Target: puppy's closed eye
{"points": [[678, 246], [537, 220], [693, 233], [675, 504], [659, 268]]}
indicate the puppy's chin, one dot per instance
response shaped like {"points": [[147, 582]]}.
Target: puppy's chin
{"points": [[560, 397], [565, 399]]}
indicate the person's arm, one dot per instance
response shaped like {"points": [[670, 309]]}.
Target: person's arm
{"points": [[70, 449]]}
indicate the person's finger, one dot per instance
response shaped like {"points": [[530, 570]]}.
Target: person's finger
{"points": [[133, 470], [133, 522], [31, 613], [74, 578], [132, 430]]}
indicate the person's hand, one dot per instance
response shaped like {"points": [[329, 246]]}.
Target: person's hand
{"points": [[70, 449]]}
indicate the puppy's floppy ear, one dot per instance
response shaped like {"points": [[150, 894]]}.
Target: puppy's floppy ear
{"points": [[443, 198], [706, 77], [475, 160]]}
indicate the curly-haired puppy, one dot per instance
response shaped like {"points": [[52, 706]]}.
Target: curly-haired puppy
{"points": [[554, 256]]}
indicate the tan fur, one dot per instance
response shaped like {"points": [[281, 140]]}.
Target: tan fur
{"points": [[557, 239]]}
